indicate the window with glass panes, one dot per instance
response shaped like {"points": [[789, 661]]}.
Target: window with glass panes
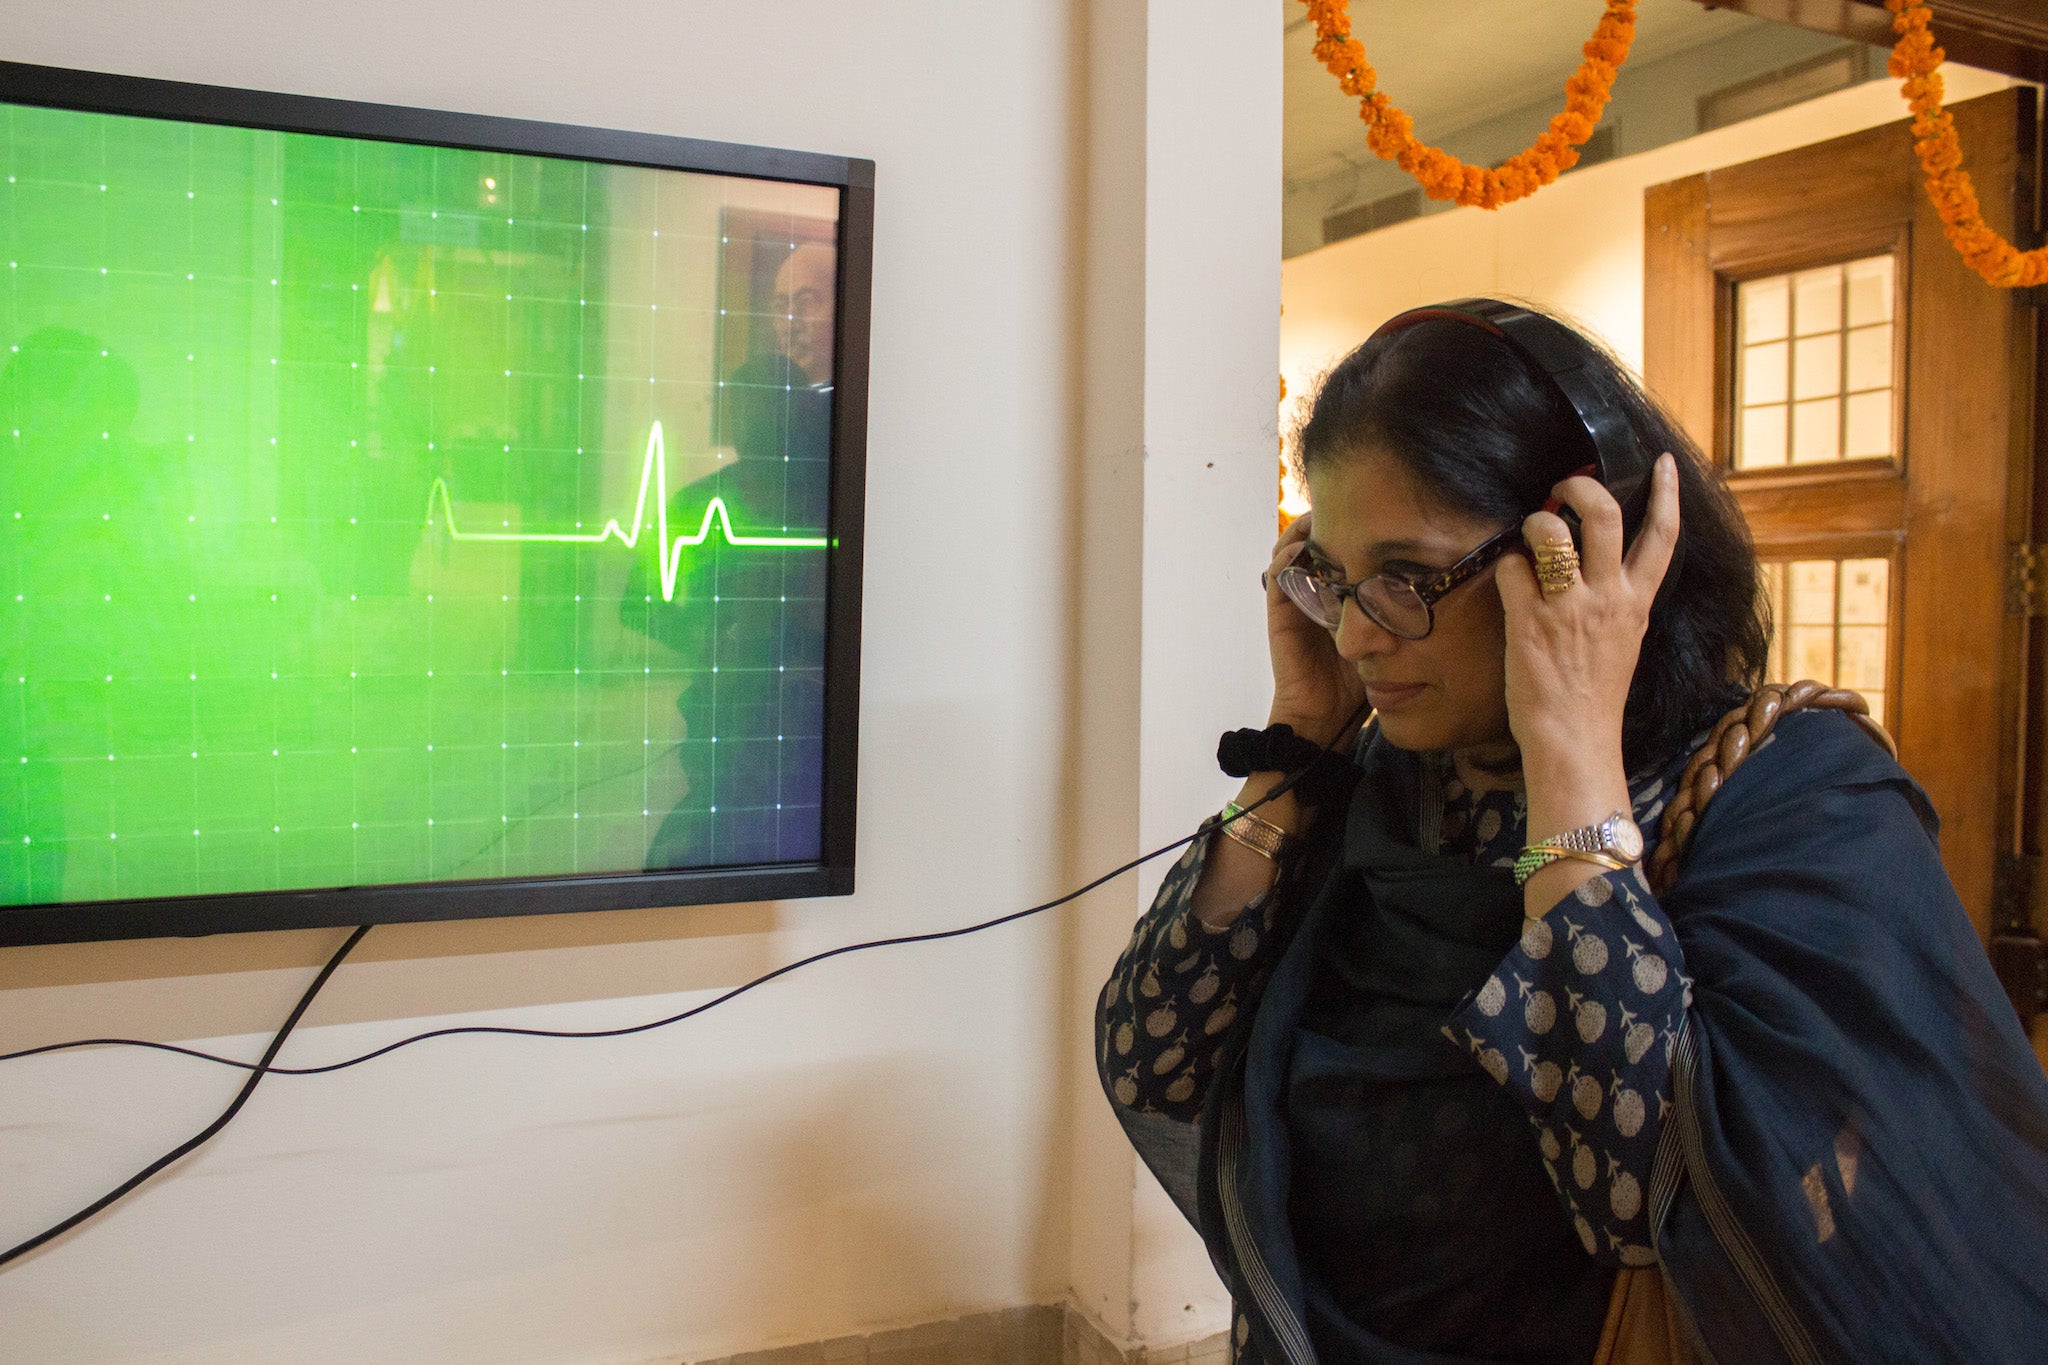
{"points": [[1813, 375]]}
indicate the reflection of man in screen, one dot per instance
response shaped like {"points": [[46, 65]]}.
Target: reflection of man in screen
{"points": [[749, 621]]}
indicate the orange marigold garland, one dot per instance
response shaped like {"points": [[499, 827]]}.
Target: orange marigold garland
{"points": [[1443, 176], [1917, 61]]}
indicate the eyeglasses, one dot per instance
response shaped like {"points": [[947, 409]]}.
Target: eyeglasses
{"points": [[1399, 606]]}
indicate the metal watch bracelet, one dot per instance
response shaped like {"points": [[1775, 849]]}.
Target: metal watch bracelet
{"points": [[1260, 835]]}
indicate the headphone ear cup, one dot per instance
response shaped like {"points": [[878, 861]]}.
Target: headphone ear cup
{"points": [[1669, 586], [1666, 588], [1634, 497], [1635, 508], [1572, 523]]}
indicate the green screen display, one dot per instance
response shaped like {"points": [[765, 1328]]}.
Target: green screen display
{"points": [[374, 513]]}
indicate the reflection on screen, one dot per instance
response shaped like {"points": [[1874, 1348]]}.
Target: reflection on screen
{"points": [[374, 513]]}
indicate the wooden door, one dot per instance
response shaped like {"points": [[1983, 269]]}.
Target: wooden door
{"points": [[1870, 402]]}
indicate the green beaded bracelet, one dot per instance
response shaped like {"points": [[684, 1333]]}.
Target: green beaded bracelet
{"points": [[1536, 857]]}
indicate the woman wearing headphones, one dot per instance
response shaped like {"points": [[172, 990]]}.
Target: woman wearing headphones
{"points": [[1434, 1071]]}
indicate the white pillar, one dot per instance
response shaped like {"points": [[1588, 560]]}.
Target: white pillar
{"points": [[1175, 509]]}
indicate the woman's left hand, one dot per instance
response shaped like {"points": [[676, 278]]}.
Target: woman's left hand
{"points": [[1571, 656]]}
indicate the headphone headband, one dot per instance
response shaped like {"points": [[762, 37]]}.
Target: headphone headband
{"points": [[1562, 360]]}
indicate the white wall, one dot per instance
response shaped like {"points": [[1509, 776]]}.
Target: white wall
{"points": [[1576, 246], [879, 1140]]}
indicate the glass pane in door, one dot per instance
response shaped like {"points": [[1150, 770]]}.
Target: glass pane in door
{"points": [[1831, 621]]}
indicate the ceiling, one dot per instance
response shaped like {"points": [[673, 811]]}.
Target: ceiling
{"points": [[1451, 65]]}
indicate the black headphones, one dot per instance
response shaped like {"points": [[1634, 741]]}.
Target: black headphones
{"points": [[1561, 358]]}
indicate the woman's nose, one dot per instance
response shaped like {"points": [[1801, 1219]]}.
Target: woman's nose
{"points": [[1359, 636]]}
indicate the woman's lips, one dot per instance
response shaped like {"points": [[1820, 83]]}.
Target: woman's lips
{"points": [[1390, 696]]}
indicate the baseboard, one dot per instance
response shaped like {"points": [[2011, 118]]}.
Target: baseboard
{"points": [[1084, 1343], [1042, 1334]]}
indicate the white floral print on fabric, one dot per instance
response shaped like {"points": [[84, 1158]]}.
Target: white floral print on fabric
{"points": [[1176, 991], [1596, 1092]]}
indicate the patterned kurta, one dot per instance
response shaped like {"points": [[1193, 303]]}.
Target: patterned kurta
{"points": [[1577, 1022]]}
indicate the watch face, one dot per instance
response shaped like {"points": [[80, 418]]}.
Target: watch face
{"points": [[1625, 838]]}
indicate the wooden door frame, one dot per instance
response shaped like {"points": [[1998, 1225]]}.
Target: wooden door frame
{"points": [[1960, 670]]}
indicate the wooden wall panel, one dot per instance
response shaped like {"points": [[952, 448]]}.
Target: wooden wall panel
{"points": [[1783, 211], [1961, 391], [1678, 321]]}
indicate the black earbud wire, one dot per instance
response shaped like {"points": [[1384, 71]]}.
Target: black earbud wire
{"points": [[259, 1069]]}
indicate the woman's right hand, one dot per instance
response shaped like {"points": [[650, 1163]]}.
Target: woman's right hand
{"points": [[1314, 689]]}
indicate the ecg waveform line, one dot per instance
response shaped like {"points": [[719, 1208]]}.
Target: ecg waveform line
{"points": [[654, 473]]}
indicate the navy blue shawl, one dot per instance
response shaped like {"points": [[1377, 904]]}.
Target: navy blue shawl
{"points": [[1867, 1125], [1860, 1141]]}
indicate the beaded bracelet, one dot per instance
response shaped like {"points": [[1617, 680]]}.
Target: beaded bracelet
{"points": [[1536, 857]]}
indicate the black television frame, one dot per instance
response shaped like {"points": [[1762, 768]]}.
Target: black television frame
{"points": [[831, 874]]}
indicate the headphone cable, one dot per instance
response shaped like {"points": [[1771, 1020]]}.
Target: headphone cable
{"points": [[256, 1075], [259, 1069]]}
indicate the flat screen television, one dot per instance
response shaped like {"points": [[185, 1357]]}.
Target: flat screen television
{"points": [[412, 515]]}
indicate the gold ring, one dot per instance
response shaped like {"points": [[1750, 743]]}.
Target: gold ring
{"points": [[1557, 566]]}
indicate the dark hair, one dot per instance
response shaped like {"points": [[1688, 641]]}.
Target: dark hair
{"points": [[1486, 434]]}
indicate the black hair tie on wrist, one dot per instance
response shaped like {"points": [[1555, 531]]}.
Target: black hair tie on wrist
{"points": [[1277, 749]]}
